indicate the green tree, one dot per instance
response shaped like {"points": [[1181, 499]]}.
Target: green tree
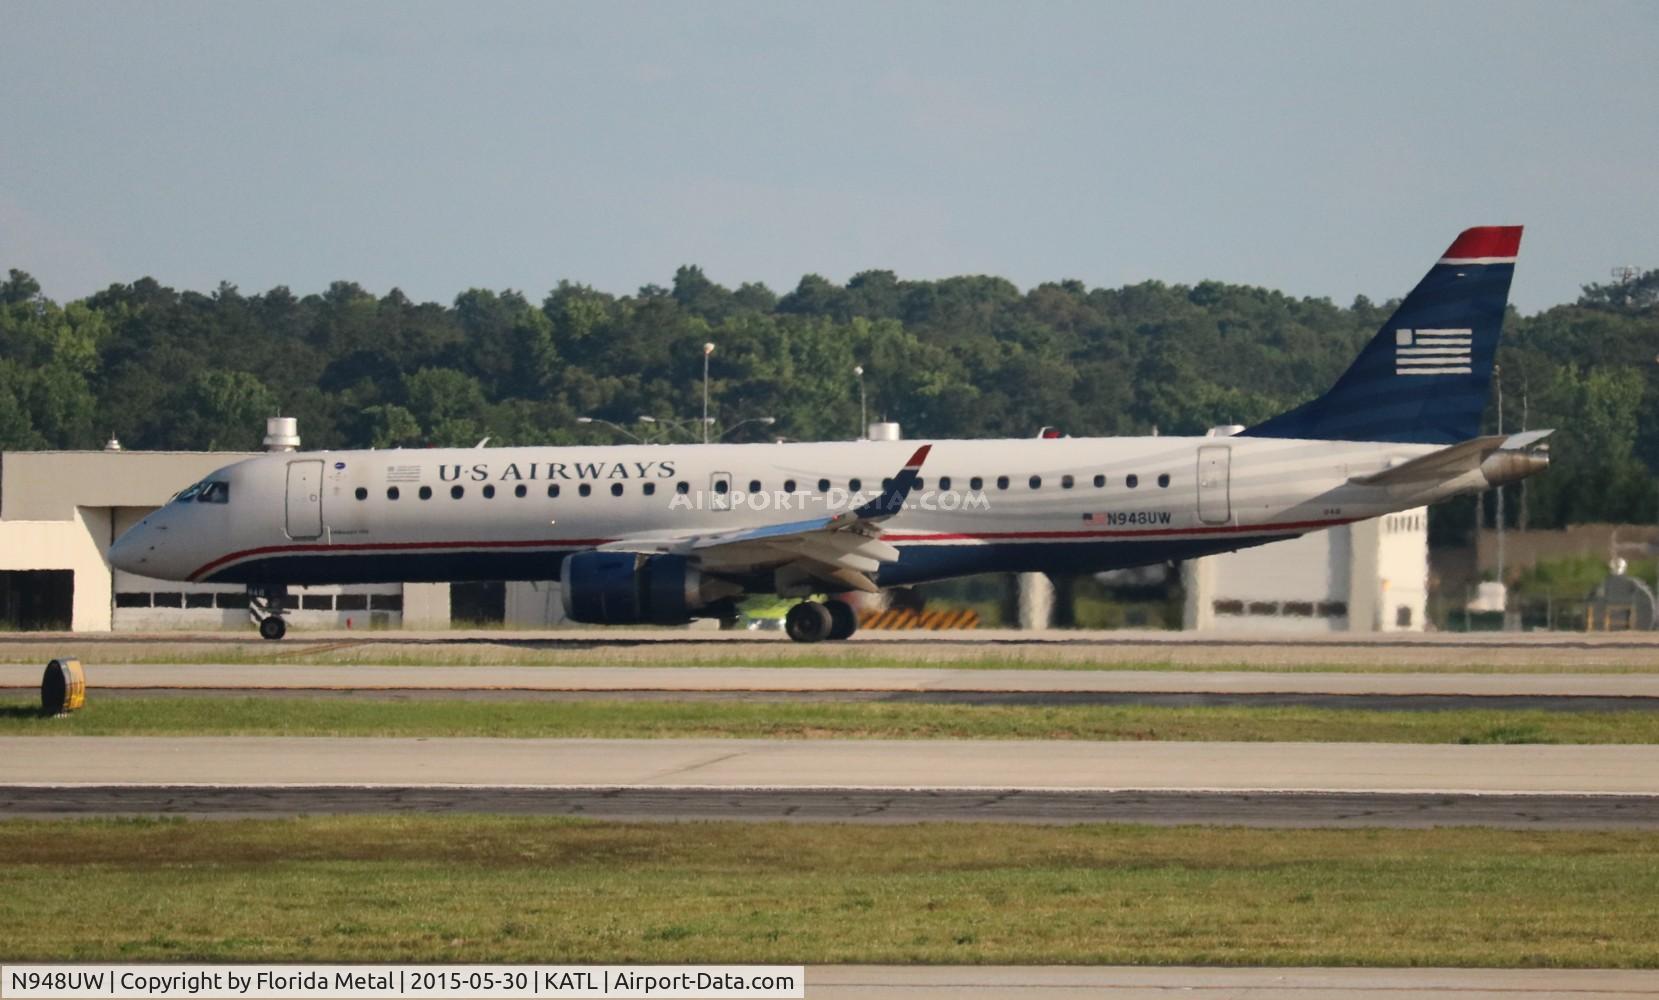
{"points": [[222, 410], [18, 287], [390, 426]]}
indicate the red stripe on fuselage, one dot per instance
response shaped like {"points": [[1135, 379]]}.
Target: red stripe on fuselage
{"points": [[579, 543]]}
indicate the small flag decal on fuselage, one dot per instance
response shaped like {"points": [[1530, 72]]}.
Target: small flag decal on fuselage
{"points": [[1433, 352]]}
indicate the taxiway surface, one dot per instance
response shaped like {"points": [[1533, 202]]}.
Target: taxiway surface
{"points": [[894, 982], [1274, 784], [902, 982]]}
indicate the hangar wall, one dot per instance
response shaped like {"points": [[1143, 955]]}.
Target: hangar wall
{"points": [[1368, 576]]}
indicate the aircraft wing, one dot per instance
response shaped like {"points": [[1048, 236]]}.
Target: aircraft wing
{"points": [[842, 550], [1451, 461]]}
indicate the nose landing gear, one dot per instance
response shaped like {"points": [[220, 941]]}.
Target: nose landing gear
{"points": [[810, 621], [265, 607]]}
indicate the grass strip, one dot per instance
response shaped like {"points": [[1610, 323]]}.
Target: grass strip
{"points": [[474, 889], [232, 716]]}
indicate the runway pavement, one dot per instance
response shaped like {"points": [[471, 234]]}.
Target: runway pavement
{"points": [[832, 763], [1277, 810], [874, 780], [902, 982], [983, 636], [1503, 651], [1035, 686]]}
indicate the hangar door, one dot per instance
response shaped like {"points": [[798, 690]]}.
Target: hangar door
{"points": [[305, 498], [1214, 468], [32, 599]]}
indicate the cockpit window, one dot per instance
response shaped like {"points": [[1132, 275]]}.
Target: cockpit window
{"points": [[206, 491]]}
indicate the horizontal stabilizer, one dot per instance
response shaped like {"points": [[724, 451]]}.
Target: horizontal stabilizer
{"points": [[1449, 463]]}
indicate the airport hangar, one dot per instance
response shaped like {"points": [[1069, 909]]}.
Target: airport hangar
{"points": [[61, 510]]}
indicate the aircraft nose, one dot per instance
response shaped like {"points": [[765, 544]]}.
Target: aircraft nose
{"points": [[135, 550]]}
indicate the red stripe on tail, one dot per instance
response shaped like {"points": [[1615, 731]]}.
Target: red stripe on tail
{"points": [[1486, 241]]}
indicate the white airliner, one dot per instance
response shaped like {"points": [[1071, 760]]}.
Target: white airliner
{"points": [[661, 534]]}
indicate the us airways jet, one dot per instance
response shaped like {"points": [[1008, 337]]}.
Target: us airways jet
{"points": [[664, 534]]}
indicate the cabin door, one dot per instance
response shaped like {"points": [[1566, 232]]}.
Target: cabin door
{"points": [[1214, 469], [305, 498]]}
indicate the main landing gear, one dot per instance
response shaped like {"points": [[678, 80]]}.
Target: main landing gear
{"points": [[265, 606], [810, 621]]}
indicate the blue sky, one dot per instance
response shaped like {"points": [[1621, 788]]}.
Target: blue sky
{"points": [[1326, 149]]}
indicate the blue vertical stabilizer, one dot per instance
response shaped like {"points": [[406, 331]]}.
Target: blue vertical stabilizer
{"points": [[1425, 376]]}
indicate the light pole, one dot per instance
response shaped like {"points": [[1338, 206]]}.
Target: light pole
{"points": [[863, 411], [707, 350], [768, 421], [618, 427], [1497, 373]]}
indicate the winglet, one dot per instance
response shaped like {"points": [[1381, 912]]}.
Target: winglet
{"points": [[1525, 439], [892, 498]]}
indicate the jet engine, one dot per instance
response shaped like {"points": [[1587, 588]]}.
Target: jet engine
{"points": [[627, 588]]}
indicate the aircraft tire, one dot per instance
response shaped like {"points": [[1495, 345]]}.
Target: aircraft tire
{"points": [[808, 621], [273, 628], [844, 619]]}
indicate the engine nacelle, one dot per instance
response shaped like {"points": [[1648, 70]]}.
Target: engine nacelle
{"points": [[627, 588]]}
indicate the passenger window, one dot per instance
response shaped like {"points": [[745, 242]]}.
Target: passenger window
{"points": [[1066, 482], [976, 483], [457, 492], [823, 486], [1163, 480], [721, 486], [1036, 482], [616, 489], [552, 490], [520, 490], [886, 484], [1099, 481], [426, 492], [920, 484], [584, 490], [682, 487], [789, 485], [754, 486], [489, 492], [1131, 480], [944, 482], [649, 489], [855, 484], [391, 493], [362, 494], [1002, 482]]}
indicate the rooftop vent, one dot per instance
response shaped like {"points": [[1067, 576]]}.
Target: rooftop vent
{"points": [[282, 434]]}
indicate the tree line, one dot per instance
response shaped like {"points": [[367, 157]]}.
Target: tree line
{"points": [[962, 357]]}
